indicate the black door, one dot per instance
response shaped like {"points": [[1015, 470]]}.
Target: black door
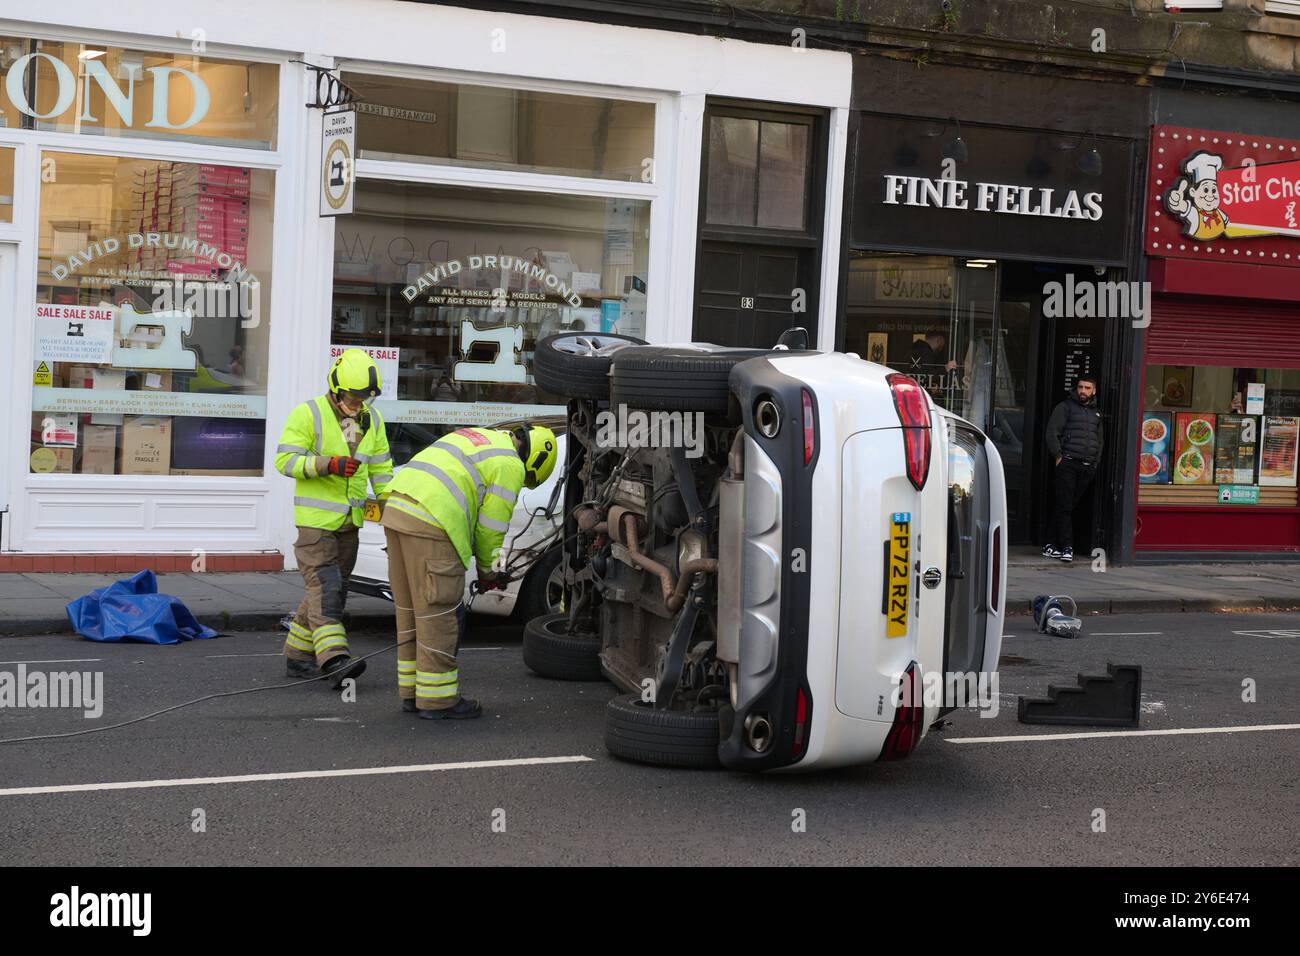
{"points": [[745, 293], [762, 190]]}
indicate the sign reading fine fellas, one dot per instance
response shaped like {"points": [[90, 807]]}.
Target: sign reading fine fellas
{"points": [[338, 149]]}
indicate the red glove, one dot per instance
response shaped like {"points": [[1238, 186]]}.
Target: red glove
{"points": [[491, 581], [346, 467]]}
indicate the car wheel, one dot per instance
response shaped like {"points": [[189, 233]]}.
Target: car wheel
{"points": [[542, 590], [664, 378], [576, 364], [635, 730], [550, 651]]}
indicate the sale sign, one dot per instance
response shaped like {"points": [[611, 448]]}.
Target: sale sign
{"points": [[75, 333], [1216, 195], [385, 362]]}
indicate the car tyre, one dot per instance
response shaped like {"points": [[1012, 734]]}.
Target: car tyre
{"points": [[542, 590], [664, 378], [576, 364], [636, 731], [551, 652]]}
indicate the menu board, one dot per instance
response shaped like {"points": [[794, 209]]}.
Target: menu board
{"points": [[1236, 443], [1277, 456], [1076, 357], [1157, 438], [1194, 448]]}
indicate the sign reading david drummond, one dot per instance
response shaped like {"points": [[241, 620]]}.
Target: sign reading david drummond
{"points": [[1033, 194], [1224, 197]]}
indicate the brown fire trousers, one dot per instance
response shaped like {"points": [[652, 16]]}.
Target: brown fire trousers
{"points": [[326, 559]]}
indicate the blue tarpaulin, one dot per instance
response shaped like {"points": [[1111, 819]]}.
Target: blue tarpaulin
{"points": [[133, 610]]}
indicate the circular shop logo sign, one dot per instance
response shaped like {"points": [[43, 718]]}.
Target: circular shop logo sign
{"points": [[337, 174]]}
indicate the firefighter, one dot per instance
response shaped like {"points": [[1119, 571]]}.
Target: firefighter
{"points": [[450, 503], [331, 446]]}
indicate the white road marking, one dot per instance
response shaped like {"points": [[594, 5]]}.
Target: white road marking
{"points": [[1269, 634], [273, 654], [1125, 633], [70, 660], [1115, 733], [482, 648], [295, 775]]}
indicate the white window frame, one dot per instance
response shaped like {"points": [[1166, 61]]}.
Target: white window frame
{"points": [[431, 172], [1286, 8], [1194, 4], [246, 500]]}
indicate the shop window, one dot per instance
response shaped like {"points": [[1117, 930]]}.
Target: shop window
{"points": [[932, 317], [499, 128], [1213, 434], [451, 287], [94, 89], [6, 185], [757, 173], [151, 327]]}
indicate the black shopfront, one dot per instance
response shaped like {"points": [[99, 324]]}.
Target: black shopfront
{"points": [[989, 245]]}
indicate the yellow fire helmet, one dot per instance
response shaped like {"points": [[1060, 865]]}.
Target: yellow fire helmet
{"points": [[539, 450], [354, 371]]}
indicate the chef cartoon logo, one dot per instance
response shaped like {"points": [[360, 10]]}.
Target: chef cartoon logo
{"points": [[1195, 197]]}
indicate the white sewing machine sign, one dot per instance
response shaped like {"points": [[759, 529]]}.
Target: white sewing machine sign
{"points": [[75, 333], [491, 355]]}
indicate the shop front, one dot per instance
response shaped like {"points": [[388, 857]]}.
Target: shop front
{"points": [[1220, 374], [991, 261], [173, 288]]}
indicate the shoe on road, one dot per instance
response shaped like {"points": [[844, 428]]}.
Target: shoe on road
{"points": [[1067, 555], [408, 705], [1051, 551], [341, 668], [302, 670], [465, 709]]}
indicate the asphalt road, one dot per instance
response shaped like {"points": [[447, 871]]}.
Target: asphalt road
{"points": [[1203, 798]]}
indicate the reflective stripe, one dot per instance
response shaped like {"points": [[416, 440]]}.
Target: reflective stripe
{"points": [[505, 494], [293, 448], [374, 459], [290, 464], [469, 466], [299, 643], [315, 417], [502, 526], [357, 502], [379, 481], [446, 479], [436, 694], [339, 508], [414, 510], [492, 453], [406, 666]]}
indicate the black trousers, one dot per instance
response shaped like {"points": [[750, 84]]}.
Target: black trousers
{"points": [[1070, 481]]}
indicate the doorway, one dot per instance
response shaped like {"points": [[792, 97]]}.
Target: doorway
{"points": [[761, 196], [8, 320]]}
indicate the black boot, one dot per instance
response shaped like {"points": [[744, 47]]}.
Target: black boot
{"points": [[302, 670], [408, 705], [465, 709], [341, 668]]}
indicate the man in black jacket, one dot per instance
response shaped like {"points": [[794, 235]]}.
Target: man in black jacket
{"points": [[1074, 442]]}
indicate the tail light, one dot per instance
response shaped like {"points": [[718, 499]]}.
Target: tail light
{"points": [[905, 734], [809, 433], [995, 584], [914, 414], [802, 718]]}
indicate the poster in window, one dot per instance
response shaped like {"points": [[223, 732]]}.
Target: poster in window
{"points": [[1194, 449], [878, 347], [1236, 443], [1277, 452], [1157, 439], [1176, 389]]}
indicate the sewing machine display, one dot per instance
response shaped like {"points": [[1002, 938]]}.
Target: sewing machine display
{"points": [[153, 339], [506, 366]]}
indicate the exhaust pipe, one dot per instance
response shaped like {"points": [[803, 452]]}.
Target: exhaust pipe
{"points": [[767, 417], [758, 732]]}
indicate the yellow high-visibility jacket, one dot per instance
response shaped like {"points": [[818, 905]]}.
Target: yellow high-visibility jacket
{"points": [[467, 483], [311, 436]]}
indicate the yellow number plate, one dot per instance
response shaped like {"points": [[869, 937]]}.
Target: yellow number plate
{"points": [[898, 601], [373, 513]]}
